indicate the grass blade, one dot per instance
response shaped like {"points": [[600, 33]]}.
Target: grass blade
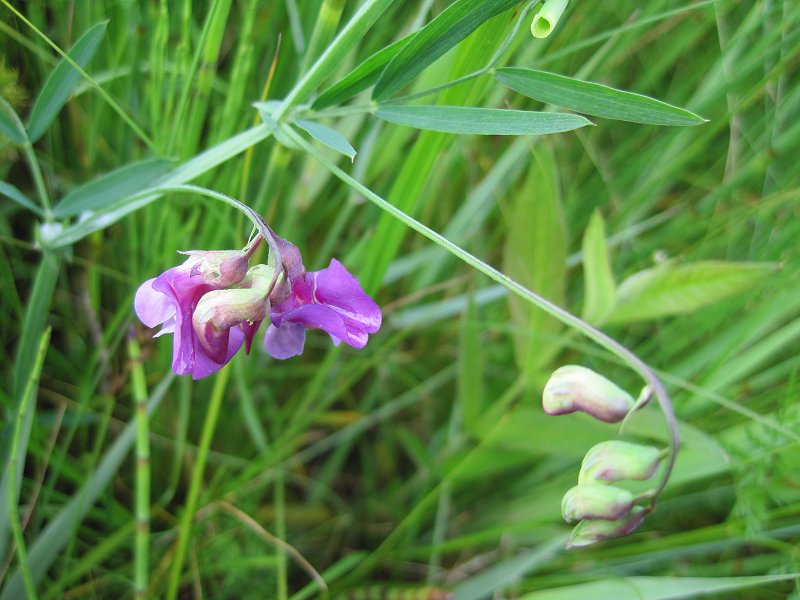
{"points": [[11, 125], [593, 98], [56, 535], [360, 78], [455, 23], [483, 121], [111, 187], [62, 81]]}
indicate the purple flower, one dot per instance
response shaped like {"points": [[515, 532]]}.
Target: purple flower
{"points": [[331, 300], [172, 297]]}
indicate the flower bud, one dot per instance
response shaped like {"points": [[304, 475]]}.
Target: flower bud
{"points": [[615, 460], [222, 268], [591, 532], [219, 310], [572, 388], [594, 501]]}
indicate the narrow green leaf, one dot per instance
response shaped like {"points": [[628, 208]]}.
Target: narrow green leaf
{"points": [[671, 289], [33, 327], [112, 187], [328, 137], [11, 192], [455, 23], [593, 98], [60, 529], [10, 124], [599, 295], [62, 81], [360, 78], [655, 588], [485, 121]]}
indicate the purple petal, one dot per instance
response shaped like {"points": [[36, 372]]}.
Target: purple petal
{"points": [[151, 306], [337, 288], [317, 316], [285, 341], [204, 365]]}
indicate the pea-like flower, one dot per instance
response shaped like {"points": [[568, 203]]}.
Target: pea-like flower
{"points": [[171, 298], [331, 300]]}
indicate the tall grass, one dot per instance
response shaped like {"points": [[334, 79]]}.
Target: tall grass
{"points": [[424, 461]]}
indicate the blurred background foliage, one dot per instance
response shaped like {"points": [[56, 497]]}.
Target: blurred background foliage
{"points": [[423, 460]]}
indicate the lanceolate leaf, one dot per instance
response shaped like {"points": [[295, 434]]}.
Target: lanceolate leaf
{"points": [[8, 190], [10, 124], [360, 78], [598, 279], [457, 21], [593, 98], [62, 81], [112, 187], [486, 121], [672, 289], [329, 137]]}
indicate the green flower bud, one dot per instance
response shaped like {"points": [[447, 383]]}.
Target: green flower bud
{"points": [[591, 532], [546, 19], [616, 461], [594, 501], [572, 388]]}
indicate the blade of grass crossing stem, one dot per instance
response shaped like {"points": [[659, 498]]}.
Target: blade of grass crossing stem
{"points": [[59, 530], [593, 98], [62, 82], [141, 544], [454, 24], [185, 526], [32, 328], [17, 461]]}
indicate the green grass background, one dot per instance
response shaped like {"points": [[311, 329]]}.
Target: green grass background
{"points": [[423, 460]]}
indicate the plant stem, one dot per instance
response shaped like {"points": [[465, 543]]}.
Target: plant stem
{"points": [[570, 320], [141, 545], [185, 527]]}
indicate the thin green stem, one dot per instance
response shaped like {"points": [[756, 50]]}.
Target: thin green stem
{"points": [[185, 527], [279, 500], [141, 545], [16, 452], [38, 180], [105, 95], [570, 320]]}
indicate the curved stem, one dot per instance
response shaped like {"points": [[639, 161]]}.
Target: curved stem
{"points": [[603, 340]]}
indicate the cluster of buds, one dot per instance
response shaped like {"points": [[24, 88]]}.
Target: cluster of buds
{"points": [[214, 303], [602, 509]]}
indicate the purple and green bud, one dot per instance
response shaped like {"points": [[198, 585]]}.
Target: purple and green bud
{"points": [[595, 501], [220, 268], [616, 461], [586, 533], [573, 388], [245, 304]]}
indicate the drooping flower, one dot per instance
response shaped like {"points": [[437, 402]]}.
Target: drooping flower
{"points": [[331, 300], [171, 298]]}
